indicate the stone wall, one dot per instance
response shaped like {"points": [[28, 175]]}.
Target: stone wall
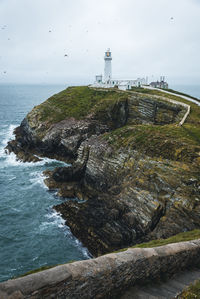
{"points": [[104, 276]]}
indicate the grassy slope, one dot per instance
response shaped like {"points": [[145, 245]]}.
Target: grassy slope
{"points": [[167, 141], [192, 292], [152, 91], [75, 102], [182, 237], [181, 93], [78, 102]]}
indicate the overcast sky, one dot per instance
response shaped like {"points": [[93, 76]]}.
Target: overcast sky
{"points": [[146, 37]]}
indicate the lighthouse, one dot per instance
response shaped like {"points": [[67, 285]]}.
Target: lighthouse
{"points": [[108, 82], [107, 67]]}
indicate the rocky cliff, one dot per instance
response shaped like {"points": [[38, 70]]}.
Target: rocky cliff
{"points": [[134, 174]]}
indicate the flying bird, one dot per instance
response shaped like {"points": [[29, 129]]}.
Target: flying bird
{"points": [[171, 18], [65, 55]]}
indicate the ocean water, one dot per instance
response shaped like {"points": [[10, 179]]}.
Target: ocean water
{"points": [[32, 234], [193, 90]]}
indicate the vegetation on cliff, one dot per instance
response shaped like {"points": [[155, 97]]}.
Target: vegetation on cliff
{"points": [[179, 143], [182, 237], [160, 93], [73, 102], [192, 292], [169, 141], [134, 169]]}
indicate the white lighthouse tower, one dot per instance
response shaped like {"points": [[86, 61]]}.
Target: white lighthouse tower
{"points": [[107, 67]]}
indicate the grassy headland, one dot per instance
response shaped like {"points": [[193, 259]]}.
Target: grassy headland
{"points": [[168, 141]]}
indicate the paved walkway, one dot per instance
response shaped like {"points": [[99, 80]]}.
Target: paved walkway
{"points": [[163, 290]]}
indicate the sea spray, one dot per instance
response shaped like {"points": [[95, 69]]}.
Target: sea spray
{"points": [[32, 234]]}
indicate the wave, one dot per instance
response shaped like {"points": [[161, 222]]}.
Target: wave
{"points": [[55, 219], [11, 160], [76, 242], [8, 135], [37, 178], [84, 250], [12, 178]]}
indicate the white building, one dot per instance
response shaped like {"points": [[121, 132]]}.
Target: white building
{"points": [[108, 82], [107, 66]]}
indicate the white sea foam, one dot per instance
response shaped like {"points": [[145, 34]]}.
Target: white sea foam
{"points": [[8, 135], [12, 178], [83, 249], [37, 178], [53, 219], [76, 242], [11, 160], [16, 210], [35, 258]]}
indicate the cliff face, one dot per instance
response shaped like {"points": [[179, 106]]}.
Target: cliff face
{"points": [[134, 171]]}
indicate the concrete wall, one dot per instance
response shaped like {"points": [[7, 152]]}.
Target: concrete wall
{"points": [[104, 276]]}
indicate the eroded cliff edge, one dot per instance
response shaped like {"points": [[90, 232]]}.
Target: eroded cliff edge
{"points": [[134, 170]]}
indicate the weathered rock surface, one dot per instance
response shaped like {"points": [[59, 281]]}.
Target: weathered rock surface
{"points": [[61, 139], [135, 173], [130, 198]]}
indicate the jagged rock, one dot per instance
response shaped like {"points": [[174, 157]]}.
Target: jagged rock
{"points": [[135, 172]]}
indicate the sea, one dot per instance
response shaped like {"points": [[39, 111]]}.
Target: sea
{"points": [[193, 90], [32, 234]]}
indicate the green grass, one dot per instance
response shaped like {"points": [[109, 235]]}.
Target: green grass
{"points": [[37, 270], [182, 237], [195, 110], [192, 292], [181, 93], [153, 91], [75, 102], [42, 269], [156, 140], [169, 141]]}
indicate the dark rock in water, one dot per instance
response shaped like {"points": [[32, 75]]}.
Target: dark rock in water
{"points": [[131, 198], [134, 171]]}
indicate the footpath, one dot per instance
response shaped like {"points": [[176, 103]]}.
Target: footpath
{"points": [[163, 290]]}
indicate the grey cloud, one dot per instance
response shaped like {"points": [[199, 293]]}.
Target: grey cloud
{"points": [[147, 37]]}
